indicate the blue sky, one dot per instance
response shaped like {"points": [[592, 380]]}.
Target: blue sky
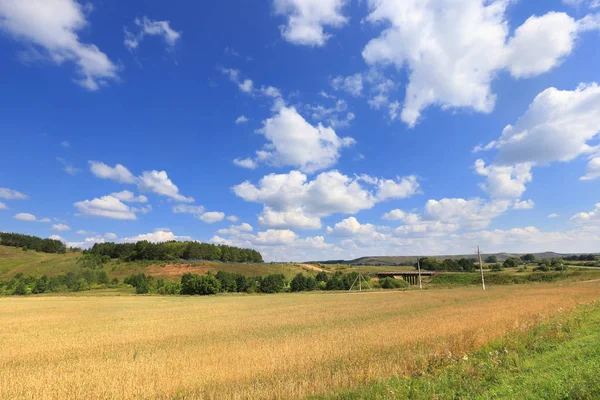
{"points": [[307, 129]]}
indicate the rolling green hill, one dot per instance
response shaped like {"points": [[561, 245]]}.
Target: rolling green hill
{"points": [[399, 260], [14, 260]]}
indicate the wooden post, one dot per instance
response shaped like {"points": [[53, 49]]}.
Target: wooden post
{"points": [[481, 268], [419, 268]]}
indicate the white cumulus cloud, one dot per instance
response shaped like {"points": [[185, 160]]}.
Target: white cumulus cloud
{"points": [[118, 173], [51, 28], [306, 19], [292, 201], [295, 142], [453, 49]]}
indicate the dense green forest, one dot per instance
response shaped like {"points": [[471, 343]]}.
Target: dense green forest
{"points": [[32, 243], [174, 250]]}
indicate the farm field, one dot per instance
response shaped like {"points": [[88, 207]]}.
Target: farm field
{"points": [[255, 346]]}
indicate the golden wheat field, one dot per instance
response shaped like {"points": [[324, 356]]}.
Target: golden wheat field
{"points": [[257, 347]]}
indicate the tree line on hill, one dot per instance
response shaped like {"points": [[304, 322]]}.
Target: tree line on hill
{"points": [[173, 250], [27, 242]]}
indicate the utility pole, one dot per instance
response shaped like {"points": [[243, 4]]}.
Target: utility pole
{"points": [[481, 268], [419, 268]]}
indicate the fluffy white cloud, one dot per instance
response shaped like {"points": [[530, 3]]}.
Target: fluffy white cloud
{"points": [[393, 189], [9, 194], [450, 66], [232, 218], [292, 201], [118, 173], [352, 84], [273, 237], [61, 227], [110, 236], [236, 229], [306, 19], [241, 120], [211, 217], [288, 219], [470, 214], [524, 204], [553, 215], [558, 126], [593, 170], [245, 163], [129, 197], [3, 206], [106, 207], [351, 227], [156, 237], [147, 27], [592, 217], [25, 217], [504, 181], [395, 215], [51, 28], [158, 182], [295, 142], [247, 86], [540, 44]]}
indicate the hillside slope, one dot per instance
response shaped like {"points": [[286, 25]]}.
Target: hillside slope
{"points": [[13, 260]]}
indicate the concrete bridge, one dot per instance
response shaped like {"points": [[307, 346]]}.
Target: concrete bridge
{"points": [[412, 277]]}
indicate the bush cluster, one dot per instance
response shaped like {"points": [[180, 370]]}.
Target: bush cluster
{"points": [[173, 250], [221, 282], [32, 243], [582, 257], [432, 264], [70, 282]]}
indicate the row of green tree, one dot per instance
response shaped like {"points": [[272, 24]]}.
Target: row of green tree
{"points": [[28, 242], [226, 282], [173, 250], [85, 279], [221, 282], [432, 264], [582, 257]]}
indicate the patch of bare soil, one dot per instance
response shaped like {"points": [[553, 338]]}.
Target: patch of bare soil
{"points": [[178, 269], [310, 267]]}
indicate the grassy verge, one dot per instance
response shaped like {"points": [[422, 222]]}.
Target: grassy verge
{"points": [[559, 359], [502, 278]]}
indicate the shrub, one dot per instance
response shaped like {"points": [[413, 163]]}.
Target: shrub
{"points": [[200, 284], [391, 283], [302, 283], [497, 267], [273, 283]]}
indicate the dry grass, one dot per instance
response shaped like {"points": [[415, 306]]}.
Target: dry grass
{"points": [[258, 347]]}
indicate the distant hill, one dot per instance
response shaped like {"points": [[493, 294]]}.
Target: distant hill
{"points": [[14, 260], [400, 260]]}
